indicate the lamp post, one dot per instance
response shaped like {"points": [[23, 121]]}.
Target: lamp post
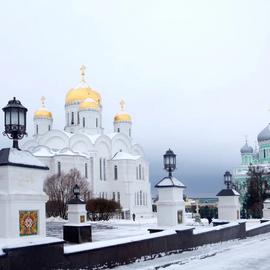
{"points": [[15, 121], [169, 160], [76, 191], [228, 179]]}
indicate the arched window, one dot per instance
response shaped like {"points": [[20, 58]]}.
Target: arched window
{"points": [[264, 153], [78, 118], [100, 168], [118, 130], [86, 170], [36, 129], [129, 131], [59, 168], [140, 171], [104, 169], [140, 197], [113, 196], [72, 118], [137, 174], [49, 127], [96, 122], [118, 197], [83, 121], [115, 173]]}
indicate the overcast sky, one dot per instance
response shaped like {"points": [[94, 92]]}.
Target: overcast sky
{"points": [[194, 74]]}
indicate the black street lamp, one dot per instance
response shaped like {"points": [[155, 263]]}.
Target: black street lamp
{"points": [[76, 191], [169, 161], [15, 121], [228, 179]]}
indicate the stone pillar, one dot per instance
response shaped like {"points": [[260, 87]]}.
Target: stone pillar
{"points": [[77, 230], [170, 205], [228, 204], [22, 200], [266, 209]]}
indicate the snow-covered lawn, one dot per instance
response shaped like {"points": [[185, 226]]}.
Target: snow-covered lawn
{"points": [[119, 228], [248, 254]]}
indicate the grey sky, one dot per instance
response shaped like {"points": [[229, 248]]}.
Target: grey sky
{"points": [[194, 74]]}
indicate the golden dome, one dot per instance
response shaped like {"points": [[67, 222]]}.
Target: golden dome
{"points": [[42, 112], [82, 92], [89, 103], [122, 116]]}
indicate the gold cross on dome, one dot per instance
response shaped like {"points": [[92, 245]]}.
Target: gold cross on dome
{"points": [[122, 104], [82, 69], [246, 138], [43, 101]]}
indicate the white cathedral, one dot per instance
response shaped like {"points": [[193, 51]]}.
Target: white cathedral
{"points": [[112, 163]]}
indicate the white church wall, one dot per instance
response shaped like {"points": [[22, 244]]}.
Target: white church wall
{"points": [[54, 139], [137, 150], [81, 143]]}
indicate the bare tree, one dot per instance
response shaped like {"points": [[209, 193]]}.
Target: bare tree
{"points": [[60, 191]]}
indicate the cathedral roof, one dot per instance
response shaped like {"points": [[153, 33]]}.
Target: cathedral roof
{"points": [[82, 92], [170, 182], [124, 156], [246, 149], [264, 135], [228, 192]]}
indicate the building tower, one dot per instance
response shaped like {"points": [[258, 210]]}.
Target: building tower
{"points": [[264, 145], [43, 120], [122, 121], [90, 116], [246, 154], [74, 98]]}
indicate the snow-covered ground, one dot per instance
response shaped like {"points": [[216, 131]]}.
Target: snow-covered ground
{"points": [[248, 254], [117, 228], [251, 253]]}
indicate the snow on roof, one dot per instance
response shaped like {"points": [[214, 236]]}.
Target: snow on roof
{"points": [[23, 157], [228, 192], [111, 135], [68, 152], [92, 138], [169, 182], [43, 151], [125, 156]]}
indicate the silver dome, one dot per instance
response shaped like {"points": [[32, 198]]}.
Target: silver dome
{"points": [[246, 149], [264, 135]]}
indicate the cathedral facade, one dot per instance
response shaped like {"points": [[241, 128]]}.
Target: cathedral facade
{"points": [[113, 163], [259, 156]]}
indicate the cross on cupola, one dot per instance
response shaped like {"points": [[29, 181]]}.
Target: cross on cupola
{"points": [[82, 69], [42, 101], [122, 105]]}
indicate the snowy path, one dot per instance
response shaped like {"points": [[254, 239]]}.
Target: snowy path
{"points": [[248, 254]]}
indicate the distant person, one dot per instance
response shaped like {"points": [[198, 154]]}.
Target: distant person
{"points": [[209, 220], [133, 216]]}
